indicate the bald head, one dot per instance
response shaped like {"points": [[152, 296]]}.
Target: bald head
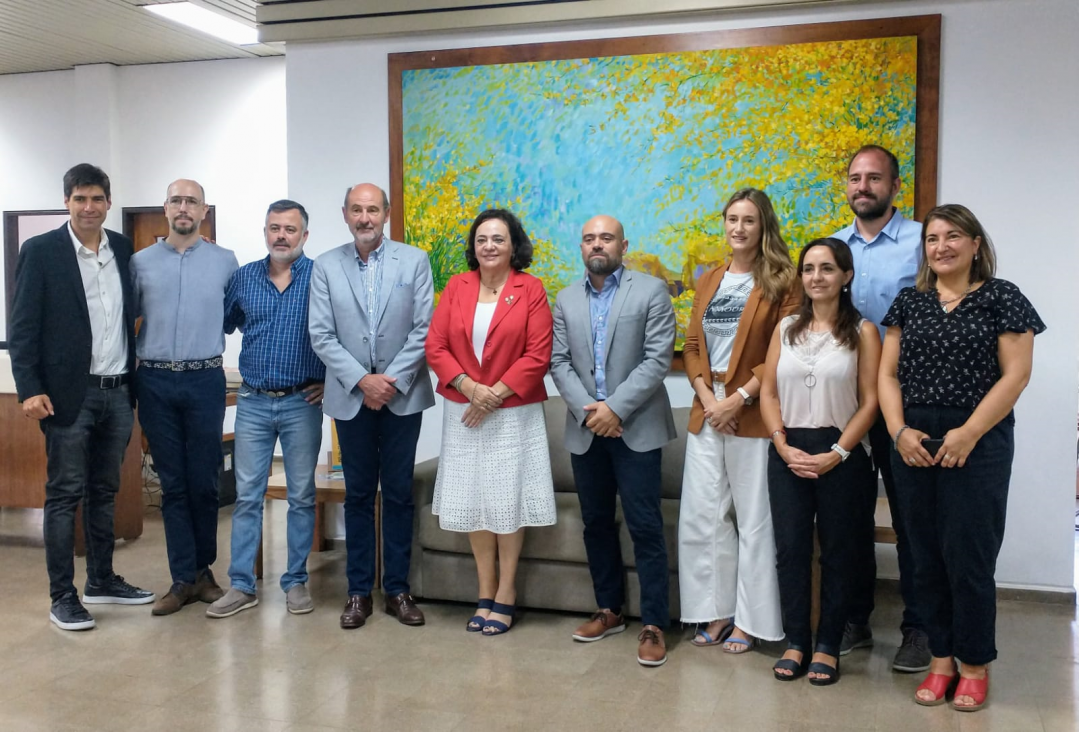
{"points": [[371, 190], [185, 208], [603, 244], [366, 210]]}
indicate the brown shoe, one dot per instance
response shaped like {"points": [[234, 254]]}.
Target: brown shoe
{"points": [[652, 651], [206, 587], [404, 608], [179, 594], [602, 624], [357, 611]]}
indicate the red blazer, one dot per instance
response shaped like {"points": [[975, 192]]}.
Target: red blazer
{"points": [[518, 347]]}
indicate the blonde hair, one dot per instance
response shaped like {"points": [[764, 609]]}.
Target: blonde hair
{"points": [[984, 265], [773, 270]]}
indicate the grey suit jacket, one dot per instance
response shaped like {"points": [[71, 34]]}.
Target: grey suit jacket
{"points": [[640, 343], [340, 329]]}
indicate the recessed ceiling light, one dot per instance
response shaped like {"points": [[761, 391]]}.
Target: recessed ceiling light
{"points": [[207, 21]]}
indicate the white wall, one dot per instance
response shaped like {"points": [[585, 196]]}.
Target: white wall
{"points": [[1007, 149]]}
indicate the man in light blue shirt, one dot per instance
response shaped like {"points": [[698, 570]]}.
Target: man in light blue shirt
{"points": [[887, 249], [179, 287]]}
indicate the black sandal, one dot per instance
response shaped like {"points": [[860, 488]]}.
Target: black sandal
{"points": [[797, 669], [828, 674]]}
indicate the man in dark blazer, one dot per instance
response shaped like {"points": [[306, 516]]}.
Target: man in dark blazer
{"points": [[71, 337]]}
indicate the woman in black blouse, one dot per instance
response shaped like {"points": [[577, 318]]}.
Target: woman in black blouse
{"points": [[956, 357]]}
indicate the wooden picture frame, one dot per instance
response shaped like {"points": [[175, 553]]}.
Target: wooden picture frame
{"points": [[14, 235]]}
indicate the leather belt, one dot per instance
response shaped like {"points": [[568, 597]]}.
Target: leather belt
{"points": [[719, 377], [208, 363], [108, 382], [278, 393]]}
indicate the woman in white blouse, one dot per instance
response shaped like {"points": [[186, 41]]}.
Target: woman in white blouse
{"points": [[818, 400]]}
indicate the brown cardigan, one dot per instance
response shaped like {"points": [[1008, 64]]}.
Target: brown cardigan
{"points": [[758, 321]]}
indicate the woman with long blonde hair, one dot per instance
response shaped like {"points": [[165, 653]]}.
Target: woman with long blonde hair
{"points": [[726, 550]]}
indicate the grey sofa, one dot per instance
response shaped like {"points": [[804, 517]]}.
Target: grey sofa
{"points": [[553, 572]]}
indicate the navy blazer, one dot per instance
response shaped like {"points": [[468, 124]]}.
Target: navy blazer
{"points": [[49, 336]]}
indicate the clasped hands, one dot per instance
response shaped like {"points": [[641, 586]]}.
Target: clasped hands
{"points": [[602, 420], [805, 465], [723, 415], [482, 401], [378, 389], [958, 444]]}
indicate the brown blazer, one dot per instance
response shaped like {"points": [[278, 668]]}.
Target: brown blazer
{"points": [[755, 328]]}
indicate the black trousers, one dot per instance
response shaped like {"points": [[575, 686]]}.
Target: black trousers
{"points": [[835, 503], [955, 521], [865, 576]]}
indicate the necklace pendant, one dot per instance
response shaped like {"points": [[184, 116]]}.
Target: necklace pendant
{"points": [[810, 380]]}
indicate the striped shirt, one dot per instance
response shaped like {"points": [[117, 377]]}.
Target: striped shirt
{"points": [[599, 308], [371, 279], [276, 351]]}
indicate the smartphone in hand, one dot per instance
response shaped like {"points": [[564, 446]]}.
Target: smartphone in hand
{"points": [[932, 445]]}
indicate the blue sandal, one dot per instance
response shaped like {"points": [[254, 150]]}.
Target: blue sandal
{"points": [[706, 638], [475, 623], [497, 627]]}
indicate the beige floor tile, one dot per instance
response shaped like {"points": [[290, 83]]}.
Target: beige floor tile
{"points": [[265, 669]]}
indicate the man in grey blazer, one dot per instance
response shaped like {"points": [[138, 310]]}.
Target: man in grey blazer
{"points": [[618, 417], [370, 307]]}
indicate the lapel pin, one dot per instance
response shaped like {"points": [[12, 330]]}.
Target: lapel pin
{"points": [[509, 300]]}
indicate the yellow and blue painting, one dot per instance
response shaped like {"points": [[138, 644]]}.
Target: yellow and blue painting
{"points": [[659, 141]]}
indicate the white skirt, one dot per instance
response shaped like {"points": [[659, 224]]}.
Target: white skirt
{"points": [[497, 476]]}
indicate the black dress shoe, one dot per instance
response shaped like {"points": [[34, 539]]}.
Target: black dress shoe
{"points": [[404, 608], [357, 610]]}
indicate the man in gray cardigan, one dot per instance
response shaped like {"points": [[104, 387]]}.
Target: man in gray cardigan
{"points": [[618, 417]]}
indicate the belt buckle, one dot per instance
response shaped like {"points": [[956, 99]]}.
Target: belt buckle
{"points": [[276, 394], [110, 382], [175, 366]]}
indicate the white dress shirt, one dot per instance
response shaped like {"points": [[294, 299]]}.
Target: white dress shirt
{"points": [[105, 302]]}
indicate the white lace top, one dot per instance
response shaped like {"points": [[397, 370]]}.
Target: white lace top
{"points": [[817, 380]]}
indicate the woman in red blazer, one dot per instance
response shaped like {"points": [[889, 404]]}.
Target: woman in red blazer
{"points": [[490, 347]]}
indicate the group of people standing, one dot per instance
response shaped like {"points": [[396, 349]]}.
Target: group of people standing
{"points": [[796, 408]]}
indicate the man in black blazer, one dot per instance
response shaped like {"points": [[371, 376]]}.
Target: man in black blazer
{"points": [[72, 342]]}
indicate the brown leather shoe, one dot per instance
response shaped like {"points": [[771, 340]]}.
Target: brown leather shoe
{"points": [[179, 594], [652, 650], [207, 588], [357, 611], [404, 608], [602, 624]]}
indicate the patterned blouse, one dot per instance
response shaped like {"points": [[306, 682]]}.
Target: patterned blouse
{"points": [[950, 359]]}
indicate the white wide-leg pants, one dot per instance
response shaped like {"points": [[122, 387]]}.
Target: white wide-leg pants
{"points": [[726, 548]]}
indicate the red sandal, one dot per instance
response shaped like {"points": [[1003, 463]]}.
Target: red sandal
{"points": [[976, 689], [938, 684]]}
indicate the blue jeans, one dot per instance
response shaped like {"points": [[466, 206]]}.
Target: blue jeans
{"points": [[378, 447], [610, 468], [84, 461], [260, 420], [182, 413]]}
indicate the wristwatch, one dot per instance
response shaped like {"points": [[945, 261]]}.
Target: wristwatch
{"points": [[745, 395], [843, 454]]}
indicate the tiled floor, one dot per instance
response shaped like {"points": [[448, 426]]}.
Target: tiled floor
{"points": [[267, 670]]}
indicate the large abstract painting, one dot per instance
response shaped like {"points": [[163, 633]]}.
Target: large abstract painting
{"points": [[658, 132]]}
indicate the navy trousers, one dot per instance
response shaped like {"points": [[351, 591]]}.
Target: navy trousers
{"points": [[378, 446], [608, 469]]}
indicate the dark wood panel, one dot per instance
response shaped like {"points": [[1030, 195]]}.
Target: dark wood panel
{"points": [[146, 224]]}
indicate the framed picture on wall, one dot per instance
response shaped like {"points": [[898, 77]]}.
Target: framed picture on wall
{"points": [[18, 227], [657, 131]]}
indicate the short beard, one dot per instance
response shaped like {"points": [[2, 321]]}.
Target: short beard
{"points": [[878, 210], [286, 257], [183, 228], [600, 266]]}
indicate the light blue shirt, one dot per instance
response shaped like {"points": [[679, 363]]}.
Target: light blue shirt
{"points": [[371, 278], [884, 265], [599, 308], [181, 298]]}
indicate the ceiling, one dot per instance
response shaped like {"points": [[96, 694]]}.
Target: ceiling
{"points": [[45, 35]]}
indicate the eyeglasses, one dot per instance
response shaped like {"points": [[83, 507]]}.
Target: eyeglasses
{"points": [[178, 201]]}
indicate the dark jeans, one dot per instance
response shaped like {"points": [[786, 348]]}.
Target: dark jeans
{"points": [[378, 446], [955, 521], [610, 468], [865, 577], [182, 413], [835, 502], [84, 461]]}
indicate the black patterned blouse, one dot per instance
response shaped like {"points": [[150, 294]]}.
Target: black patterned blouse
{"points": [[950, 359]]}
